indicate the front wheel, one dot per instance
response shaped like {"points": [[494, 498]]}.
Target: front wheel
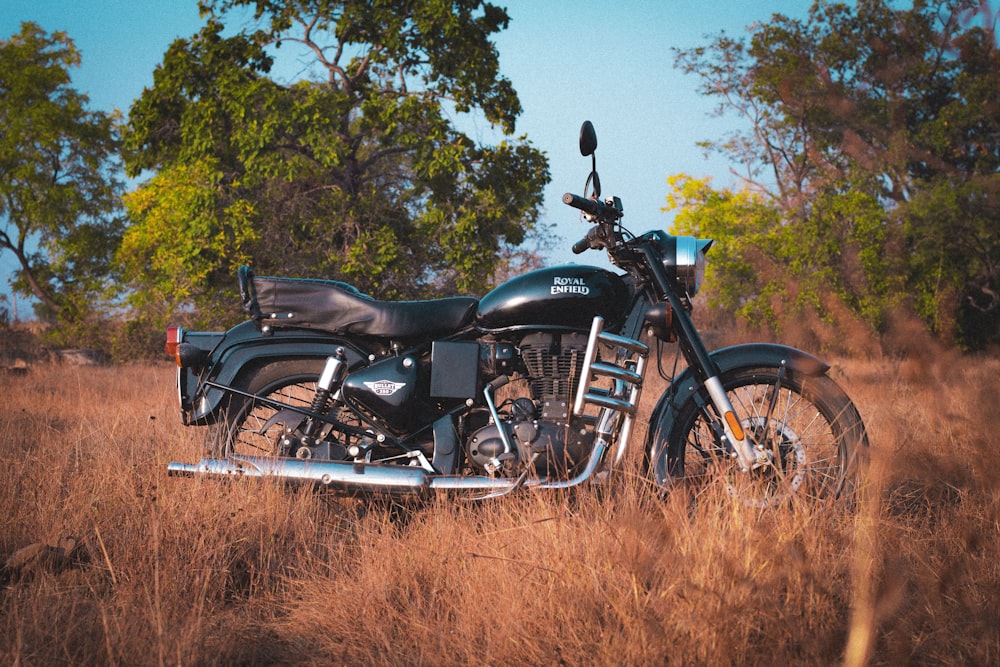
{"points": [[810, 430]]}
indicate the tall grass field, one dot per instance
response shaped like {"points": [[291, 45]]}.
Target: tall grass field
{"points": [[110, 562]]}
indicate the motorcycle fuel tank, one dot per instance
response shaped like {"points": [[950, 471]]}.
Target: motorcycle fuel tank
{"points": [[569, 295]]}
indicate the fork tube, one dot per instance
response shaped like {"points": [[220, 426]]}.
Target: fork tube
{"points": [[702, 363], [708, 372]]}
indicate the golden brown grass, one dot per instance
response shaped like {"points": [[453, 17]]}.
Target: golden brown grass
{"points": [[183, 571]]}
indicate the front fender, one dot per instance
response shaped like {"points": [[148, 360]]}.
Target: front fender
{"points": [[751, 355], [242, 351]]}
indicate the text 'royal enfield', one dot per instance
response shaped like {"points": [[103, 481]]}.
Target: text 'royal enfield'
{"points": [[535, 385]]}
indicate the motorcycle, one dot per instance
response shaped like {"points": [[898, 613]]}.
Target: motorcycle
{"points": [[536, 385]]}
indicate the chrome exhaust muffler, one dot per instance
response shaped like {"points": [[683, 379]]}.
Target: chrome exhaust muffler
{"points": [[338, 475]]}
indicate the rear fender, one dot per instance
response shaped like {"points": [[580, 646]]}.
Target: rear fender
{"points": [[685, 386], [240, 353]]}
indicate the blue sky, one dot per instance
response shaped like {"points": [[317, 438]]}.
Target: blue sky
{"points": [[609, 62]]}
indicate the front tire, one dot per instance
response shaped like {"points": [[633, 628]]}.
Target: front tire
{"points": [[811, 430]]}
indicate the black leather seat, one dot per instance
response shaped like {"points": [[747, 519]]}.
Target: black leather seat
{"points": [[337, 307]]}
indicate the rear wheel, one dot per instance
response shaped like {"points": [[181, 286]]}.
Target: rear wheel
{"points": [[810, 430], [249, 427]]}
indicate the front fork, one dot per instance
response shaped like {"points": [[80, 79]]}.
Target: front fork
{"points": [[737, 440], [705, 368]]}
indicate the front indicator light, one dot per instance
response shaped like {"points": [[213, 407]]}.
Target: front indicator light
{"points": [[735, 426]]}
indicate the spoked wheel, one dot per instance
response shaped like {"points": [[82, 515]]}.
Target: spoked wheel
{"points": [[807, 426], [249, 428]]}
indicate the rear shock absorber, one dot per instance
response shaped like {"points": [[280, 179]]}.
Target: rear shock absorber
{"points": [[328, 386]]}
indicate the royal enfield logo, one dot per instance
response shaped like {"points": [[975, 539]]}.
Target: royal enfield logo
{"points": [[569, 286], [384, 387]]}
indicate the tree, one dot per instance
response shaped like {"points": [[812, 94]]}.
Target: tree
{"points": [[355, 171], [59, 197], [862, 120], [745, 259]]}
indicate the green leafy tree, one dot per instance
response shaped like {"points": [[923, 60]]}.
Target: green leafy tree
{"points": [[187, 242], [954, 233], [353, 170], [59, 196], [745, 257], [863, 119]]}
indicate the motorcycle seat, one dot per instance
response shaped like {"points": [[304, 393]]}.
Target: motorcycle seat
{"points": [[336, 307]]}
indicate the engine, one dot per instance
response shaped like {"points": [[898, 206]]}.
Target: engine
{"points": [[541, 430], [553, 363]]}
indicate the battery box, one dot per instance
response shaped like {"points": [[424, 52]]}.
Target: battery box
{"points": [[454, 369]]}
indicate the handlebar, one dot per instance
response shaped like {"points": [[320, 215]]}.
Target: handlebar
{"points": [[601, 212], [589, 206], [598, 236], [608, 211], [581, 245]]}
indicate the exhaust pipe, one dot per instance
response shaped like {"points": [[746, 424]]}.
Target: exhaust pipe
{"points": [[361, 478], [337, 475]]}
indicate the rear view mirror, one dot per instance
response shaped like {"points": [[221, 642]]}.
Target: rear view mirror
{"points": [[588, 146], [588, 139]]}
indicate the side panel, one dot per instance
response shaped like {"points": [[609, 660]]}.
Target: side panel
{"points": [[685, 385], [387, 390]]}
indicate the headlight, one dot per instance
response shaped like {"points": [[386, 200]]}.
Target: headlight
{"points": [[683, 258]]}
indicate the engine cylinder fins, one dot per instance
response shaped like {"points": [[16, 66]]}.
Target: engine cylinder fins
{"points": [[554, 364]]}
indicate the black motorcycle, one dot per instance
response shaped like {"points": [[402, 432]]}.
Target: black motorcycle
{"points": [[535, 385]]}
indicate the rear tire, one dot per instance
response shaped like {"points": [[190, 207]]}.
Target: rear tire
{"points": [[813, 433], [291, 381]]}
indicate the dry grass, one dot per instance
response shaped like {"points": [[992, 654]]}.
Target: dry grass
{"points": [[180, 571]]}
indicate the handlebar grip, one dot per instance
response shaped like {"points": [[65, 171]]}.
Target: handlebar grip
{"points": [[581, 246], [591, 206]]}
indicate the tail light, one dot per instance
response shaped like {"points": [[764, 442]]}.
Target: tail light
{"points": [[175, 335]]}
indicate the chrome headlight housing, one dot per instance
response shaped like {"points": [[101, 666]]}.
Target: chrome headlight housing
{"points": [[683, 258]]}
